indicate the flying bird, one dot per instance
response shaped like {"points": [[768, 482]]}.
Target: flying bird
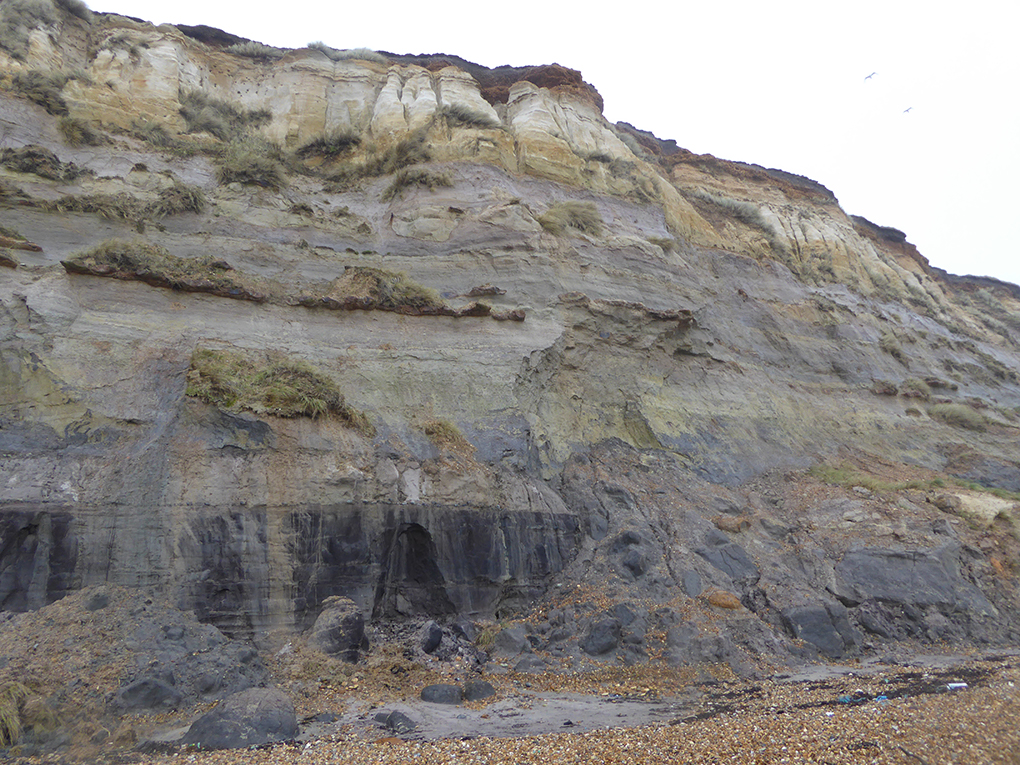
{"points": [[907, 109], [870, 75]]}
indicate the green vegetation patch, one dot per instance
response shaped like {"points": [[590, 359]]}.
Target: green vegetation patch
{"points": [[415, 176], [154, 265], [269, 384], [583, 217], [958, 415]]}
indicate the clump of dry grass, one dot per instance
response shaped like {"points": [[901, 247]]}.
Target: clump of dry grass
{"points": [[914, 388], [958, 415], [12, 696], [458, 114], [384, 290], [78, 132], [256, 50], [581, 216], [329, 145], [174, 200], [43, 88], [225, 120], [412, 150], [18, 18], [415, 176], [40, 161], [146, 262], [269, 384], [445, 435], [333, 54], [252, 160]]}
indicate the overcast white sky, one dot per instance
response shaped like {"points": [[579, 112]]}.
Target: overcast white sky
{"points": [[780, 84]]}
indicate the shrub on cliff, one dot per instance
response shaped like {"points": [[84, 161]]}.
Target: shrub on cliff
{"points": [[580, 216], [43, 88], [77, 132], [269, 385], [329, 145], [445, 435], [412, 150]]}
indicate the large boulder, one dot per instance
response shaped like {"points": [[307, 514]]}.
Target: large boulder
{"points": [[340, 629], [249, 718]]}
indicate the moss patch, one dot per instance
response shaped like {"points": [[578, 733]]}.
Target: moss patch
{"points": [[269, 384]]}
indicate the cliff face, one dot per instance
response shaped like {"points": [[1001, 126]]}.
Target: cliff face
{"points": [[608, 362]]}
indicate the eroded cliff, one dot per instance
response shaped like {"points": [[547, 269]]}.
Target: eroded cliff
{"points": [[574, 358]]}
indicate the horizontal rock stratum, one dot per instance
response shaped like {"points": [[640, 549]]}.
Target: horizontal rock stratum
{"points": [[665, 406]]}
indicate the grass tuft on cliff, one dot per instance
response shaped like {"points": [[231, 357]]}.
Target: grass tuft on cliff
{"points": [[18, 18], [384, 290], [78, 132], [146, 262], [43, 88], [352, 54], [225, 120], [256, 50], [252, 160], [581, 216], [464, 116], [272, 385], [174, 200], [958, 415], [12, 696], [410, 177], [412, 150], [445, 435], [329, 145]]}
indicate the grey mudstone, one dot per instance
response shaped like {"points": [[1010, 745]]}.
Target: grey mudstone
{"points": [[603, 636], [249, 718], [728, 557], [512, 641], [340, 629], [530, 663], [824, 626], [149, 693], [432, 636], [441, 694], [692, 583], [474, 690], [911, 577]]}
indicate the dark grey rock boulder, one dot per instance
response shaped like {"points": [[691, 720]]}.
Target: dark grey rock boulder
{"points": [[466, 629], [432, 636], [911, 577], [441, 694], [603, 636], [147, 694], [340, 629], [249, 718], [512, 641], [475, 690], [397, 722], [531, 663], [824, 626], [692, 583]]}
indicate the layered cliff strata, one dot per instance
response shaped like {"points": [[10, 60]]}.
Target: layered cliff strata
{"points": [[688, 336]]}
